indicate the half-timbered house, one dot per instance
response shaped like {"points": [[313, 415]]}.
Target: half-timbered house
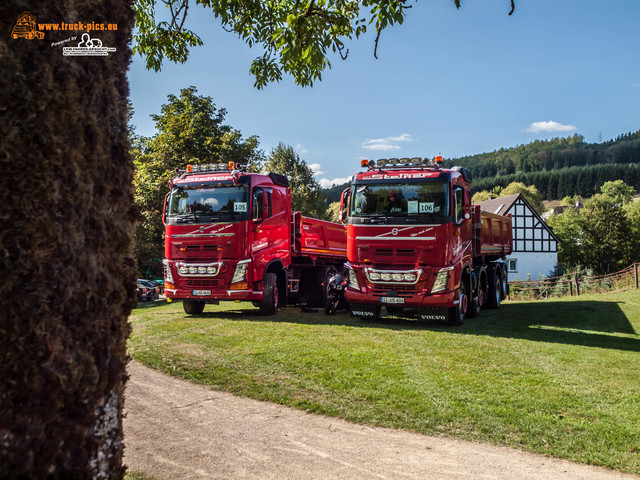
{"points": [[535, 247]]}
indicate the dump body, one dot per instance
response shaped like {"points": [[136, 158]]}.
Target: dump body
{"points": [[227, 230], [415, 240]]}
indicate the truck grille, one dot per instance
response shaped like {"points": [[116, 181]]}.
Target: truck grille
{"points": [[201, 251], [383, 289], [204, 282], [395, 252]]}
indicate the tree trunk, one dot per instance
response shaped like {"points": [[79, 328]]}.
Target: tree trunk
{"points": [[66, 223]]}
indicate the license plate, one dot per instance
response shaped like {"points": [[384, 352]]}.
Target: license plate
{"points": [[200, 293], [392, 299]]}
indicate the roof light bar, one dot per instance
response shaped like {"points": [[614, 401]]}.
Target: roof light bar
{"points": [[212, 167], [403, 162]]}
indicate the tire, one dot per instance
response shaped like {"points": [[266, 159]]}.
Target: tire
{"points": [[317, 286], [495, 288], [270, 295], [193, 307], [477, 301], [458, 312], [504, 290], [331, 305]]}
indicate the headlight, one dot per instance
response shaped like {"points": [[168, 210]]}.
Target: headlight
{"points": [[409, 277], [193, 269], [202, 270], [240, 273], [353, 280], [211, 270], [374, 276], [441, 281], [167, 272], [397, 277], [386, 277]]}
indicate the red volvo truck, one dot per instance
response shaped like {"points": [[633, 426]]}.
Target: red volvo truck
{"points": [[415, 240], [231, 235]]}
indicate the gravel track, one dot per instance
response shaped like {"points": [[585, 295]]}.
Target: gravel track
{"points": [[178, 430]]}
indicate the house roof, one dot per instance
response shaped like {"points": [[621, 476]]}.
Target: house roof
{"points": [[500, 205]]}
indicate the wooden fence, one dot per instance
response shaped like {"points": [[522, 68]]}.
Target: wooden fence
{"points": [[574, 284]]}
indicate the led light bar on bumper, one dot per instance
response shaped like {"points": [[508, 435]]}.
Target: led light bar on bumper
{"points": [[441, 282], [198, 269], [410, 277]]}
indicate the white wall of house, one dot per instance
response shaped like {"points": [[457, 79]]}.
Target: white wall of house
{"points": [[531, 265]]}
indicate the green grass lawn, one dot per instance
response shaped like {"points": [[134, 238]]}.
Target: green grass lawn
{"points": [[559, 377]]}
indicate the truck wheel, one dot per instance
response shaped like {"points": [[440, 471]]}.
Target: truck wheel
{"points": [[193, 307], [495, 288], [269, 304], [457, 313], [477, 301], [317, 286], [504, 291]]}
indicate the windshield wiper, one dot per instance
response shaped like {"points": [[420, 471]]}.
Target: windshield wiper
{"points": [[183, 217]]}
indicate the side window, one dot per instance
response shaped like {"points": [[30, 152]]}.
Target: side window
{"points": [[256, 204], [458, 199], [268, 207]]}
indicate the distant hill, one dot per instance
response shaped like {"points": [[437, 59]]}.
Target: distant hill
{"points": [[557, 167]]}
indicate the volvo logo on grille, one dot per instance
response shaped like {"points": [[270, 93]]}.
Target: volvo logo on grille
{"points": [[201, 229], [394, 231]]}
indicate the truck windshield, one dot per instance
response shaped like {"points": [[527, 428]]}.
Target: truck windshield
{"points": [[206, 203], [401, 199]]}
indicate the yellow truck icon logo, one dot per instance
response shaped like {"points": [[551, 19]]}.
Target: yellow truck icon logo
{"points": [[26, 27]]}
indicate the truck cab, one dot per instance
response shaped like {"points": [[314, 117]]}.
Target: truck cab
{"points": [[223, 229], [230, 235], [410, 240]]}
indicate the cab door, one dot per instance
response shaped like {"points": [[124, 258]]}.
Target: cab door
{"points": [[259, 211]]}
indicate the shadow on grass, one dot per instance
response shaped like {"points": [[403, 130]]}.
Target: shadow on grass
{"points": [[584, 323], [151, 304]]}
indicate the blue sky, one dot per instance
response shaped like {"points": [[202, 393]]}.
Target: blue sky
{"points": [[450, 82]]}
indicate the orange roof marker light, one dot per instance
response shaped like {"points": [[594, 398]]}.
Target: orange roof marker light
{"points": [[364, 163], [438, 160], [189, 168], [232, 166]]}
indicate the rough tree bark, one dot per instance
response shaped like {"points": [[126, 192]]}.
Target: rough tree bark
{"points": [[66, 223]]}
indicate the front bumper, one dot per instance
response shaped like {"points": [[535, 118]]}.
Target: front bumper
{"points": [[209, 287], [413, 300]]}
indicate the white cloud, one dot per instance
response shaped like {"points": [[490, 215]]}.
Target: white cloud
{"points": [[550, 126], [317, 168], [299, 147], [387, 143], [326, 183]]}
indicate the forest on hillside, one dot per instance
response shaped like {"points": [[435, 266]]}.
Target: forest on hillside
{"points": [[558, 167]]}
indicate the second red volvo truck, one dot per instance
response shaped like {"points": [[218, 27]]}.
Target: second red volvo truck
{"points": [[415, 240]]}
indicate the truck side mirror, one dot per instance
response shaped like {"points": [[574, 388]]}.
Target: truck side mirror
{"points": [[344, 206]]}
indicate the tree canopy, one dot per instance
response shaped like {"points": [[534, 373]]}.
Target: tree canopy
{"points": [[296, 37], [306, 194], [191, 130], [603, 235]]}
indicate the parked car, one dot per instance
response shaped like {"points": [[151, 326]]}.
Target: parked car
{"points": [[147, 290], [159, 286]]}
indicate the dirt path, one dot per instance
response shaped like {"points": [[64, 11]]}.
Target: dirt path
{"points": [[178, 430]]}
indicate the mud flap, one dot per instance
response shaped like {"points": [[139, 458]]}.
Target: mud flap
{"points": [[433, 314]]}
